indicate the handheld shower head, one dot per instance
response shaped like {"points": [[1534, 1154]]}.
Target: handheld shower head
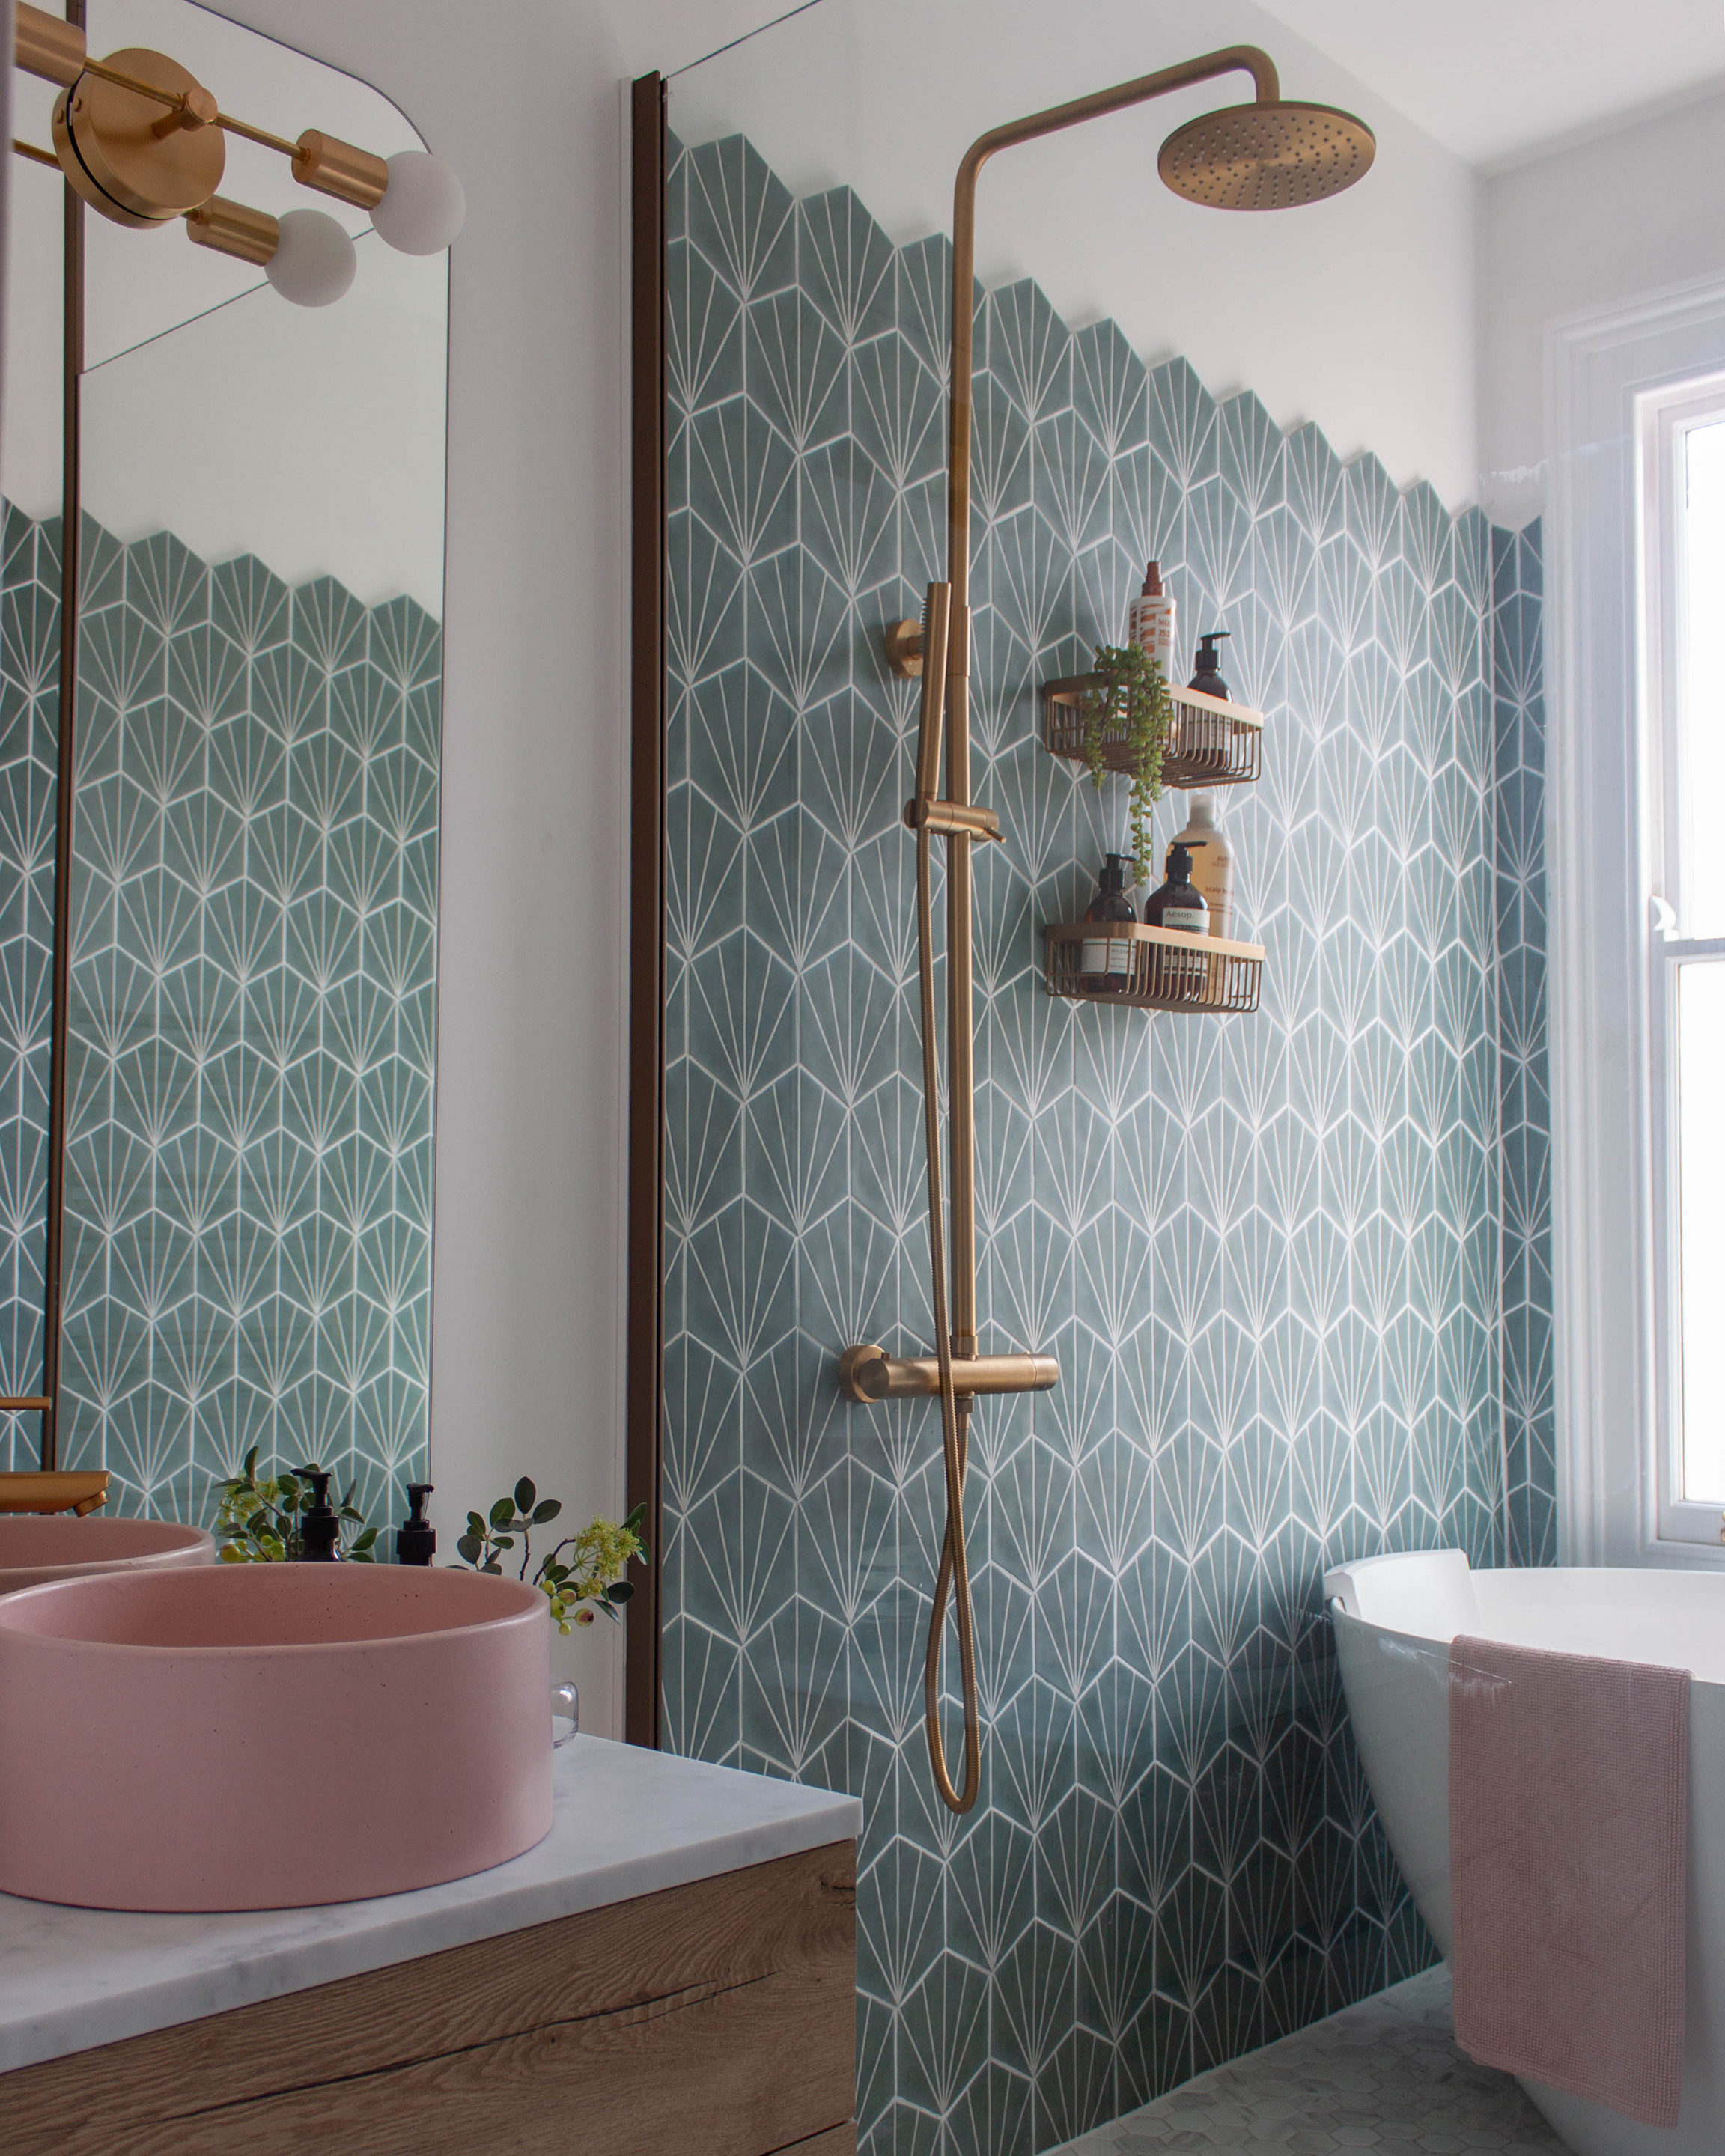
{"points": [[1272, 155]]}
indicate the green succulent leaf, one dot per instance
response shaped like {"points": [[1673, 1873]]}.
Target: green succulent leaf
{"points": [[502, 1512], [525, 1496], [546, 1510]]}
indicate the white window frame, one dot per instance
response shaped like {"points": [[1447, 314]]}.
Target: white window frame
{"points": [[1617, 384], [1664, 419]]}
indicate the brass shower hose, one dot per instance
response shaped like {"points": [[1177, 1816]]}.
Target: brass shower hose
{"points": [[953, 1578]]}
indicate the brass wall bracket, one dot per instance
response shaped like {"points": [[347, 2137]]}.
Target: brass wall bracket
{"points": [[961, 819], [868, 1373], [903, 640]]}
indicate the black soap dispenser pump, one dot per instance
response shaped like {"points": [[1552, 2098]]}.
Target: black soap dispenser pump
{"points": [[320, 1523], [1206, 675], [416, 1538], [1106, 962]]}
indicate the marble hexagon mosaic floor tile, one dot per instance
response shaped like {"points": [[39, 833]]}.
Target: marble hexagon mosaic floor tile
{"points": [[1385, 2078], [1265, 1249]]}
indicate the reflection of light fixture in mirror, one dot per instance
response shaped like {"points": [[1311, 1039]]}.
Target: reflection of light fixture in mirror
{"points": [[142, 141]]}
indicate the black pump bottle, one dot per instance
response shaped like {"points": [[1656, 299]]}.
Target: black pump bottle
{"points": [[1206, 677], [320, 1523], [1105, 962], [416, 1538]]}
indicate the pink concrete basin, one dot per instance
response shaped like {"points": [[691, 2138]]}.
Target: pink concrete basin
{"points": [[269, 1736], [36, 1548]]}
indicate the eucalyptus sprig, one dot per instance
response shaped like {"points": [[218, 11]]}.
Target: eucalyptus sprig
{"points": [[590, 1579], [1128, 697], [258, 1521]]}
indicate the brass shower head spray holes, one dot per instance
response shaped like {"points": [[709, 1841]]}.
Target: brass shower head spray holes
{"points": [[1279, 156]]}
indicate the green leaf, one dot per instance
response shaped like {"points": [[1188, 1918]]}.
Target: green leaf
{"points": [[362, 1543], [493, 1567], [361, 1556], [476, 1524], [502, 1512], [547, 1509], [525, 1496], [470, 1547], [633, 1519], [619, 1590], [251, 1462]]}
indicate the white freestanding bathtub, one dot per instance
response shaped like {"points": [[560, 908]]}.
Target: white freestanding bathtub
{"points": [[1394, 1618]]}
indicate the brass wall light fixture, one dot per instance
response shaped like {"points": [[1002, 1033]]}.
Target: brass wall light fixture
{"points": [[1271, 154], [144, 143]]}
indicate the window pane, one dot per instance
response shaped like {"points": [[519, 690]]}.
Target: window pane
{"points": [[1701, 747], [1701, 1137]]}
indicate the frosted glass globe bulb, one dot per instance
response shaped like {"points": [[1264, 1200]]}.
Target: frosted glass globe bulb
{"points": [[314, 260], [423, 206]]}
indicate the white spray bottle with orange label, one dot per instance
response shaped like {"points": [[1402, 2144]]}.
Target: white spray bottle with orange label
{"points": [[1150, 623]]}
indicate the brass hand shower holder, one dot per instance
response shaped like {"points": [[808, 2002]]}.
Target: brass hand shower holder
{"points": [[1271, 154]]}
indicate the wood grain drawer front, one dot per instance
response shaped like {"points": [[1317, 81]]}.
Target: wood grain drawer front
{"points": [[713, 2020]]}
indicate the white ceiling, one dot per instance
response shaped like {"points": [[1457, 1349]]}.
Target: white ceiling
{"points": [[1493, 78]]}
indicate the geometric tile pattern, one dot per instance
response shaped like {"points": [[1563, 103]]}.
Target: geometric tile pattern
{"points": [[1518, 697], [252, 1030], [1265, 1249], [1386, 2077], [29, 732]]}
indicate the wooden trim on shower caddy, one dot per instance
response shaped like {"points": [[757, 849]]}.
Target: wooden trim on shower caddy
{"points": [[644, 1395]]}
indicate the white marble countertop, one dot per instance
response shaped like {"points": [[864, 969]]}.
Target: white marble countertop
{"points": [[625, 1822]]}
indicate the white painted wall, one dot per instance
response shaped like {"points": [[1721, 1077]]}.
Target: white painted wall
{"points": [[1357, 313], [1627, 214]]}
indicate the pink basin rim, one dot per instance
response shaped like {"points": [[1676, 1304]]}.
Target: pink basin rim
{"points": [[252, 1737], [38, 1549]]}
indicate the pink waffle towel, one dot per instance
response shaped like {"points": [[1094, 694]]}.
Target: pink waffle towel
{"points": [[1569, 1871]]}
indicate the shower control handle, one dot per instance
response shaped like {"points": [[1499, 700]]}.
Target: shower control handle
{"points": [[867, 1374]]}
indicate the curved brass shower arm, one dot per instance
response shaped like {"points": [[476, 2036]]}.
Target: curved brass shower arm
{"points": [[1248, 59]]}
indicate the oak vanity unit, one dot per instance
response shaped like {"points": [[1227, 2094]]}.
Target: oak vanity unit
{"points": [[672, 1969]]}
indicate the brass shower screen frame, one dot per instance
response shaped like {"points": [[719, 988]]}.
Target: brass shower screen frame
{"points": [[941, 653]]}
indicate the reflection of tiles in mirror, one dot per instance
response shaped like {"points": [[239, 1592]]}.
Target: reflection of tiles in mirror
{"points": [[1384, 2076], [253, 1017]]}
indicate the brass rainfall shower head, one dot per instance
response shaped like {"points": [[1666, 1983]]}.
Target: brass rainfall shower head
{"points": [[1267, 155]]}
